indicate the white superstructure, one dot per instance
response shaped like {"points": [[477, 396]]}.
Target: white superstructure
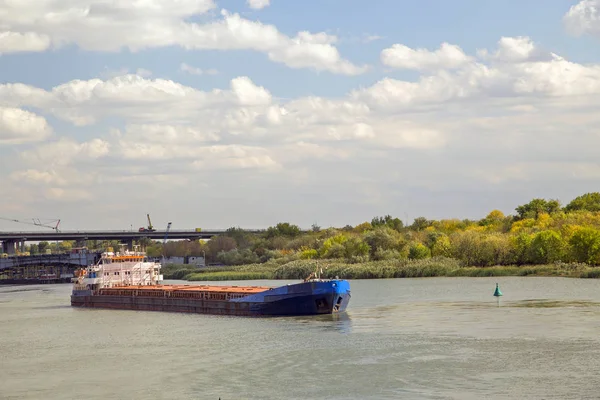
{"points": [[126, 268]]}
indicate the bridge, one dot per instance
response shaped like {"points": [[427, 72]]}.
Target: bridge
{"points": [[10, 239], [44, 268], [65, 259]]}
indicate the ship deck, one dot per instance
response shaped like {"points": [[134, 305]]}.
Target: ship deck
{"points": [[204, 292], [196, 288]]}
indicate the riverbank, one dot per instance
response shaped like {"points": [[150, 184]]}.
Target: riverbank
{"points": [[402, 268]]}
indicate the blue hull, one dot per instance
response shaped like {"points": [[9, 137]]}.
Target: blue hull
{"points": [[307, 298]]}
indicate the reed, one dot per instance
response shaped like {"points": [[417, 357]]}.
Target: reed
{"points": [[177, 271], [592, 273], [229, 276]]}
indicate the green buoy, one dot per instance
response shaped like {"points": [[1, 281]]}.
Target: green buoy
{"points": [[497, 292]]}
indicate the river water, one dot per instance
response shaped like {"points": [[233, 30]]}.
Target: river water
{"points": [[433, 338]]}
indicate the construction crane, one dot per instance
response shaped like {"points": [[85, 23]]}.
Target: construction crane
{"points": [[150, 228], [36, 222], [165, 242], [167, 233]]}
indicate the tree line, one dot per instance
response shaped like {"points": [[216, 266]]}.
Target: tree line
{"points": [[540, 232]]}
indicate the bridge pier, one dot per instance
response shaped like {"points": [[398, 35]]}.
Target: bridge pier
{"points": [[9, 247], [129, 244]]}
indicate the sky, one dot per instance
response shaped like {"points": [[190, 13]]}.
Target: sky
{"points": [[246, 113]]}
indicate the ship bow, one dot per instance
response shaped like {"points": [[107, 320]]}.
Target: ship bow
{"points": [[307, 298]]}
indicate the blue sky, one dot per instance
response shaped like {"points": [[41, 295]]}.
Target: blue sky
{"points": [[472, 24], [426, 130]]}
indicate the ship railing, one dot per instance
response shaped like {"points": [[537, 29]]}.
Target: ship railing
{"points": [[140, 291]]}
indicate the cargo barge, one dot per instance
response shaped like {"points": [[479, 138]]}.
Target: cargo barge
{"points": [[127, 281]]}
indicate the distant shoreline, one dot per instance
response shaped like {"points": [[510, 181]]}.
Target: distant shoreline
{"points": [[440, 267]]}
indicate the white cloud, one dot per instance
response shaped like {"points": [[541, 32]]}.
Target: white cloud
{"points": [[466, 127], [13, 42], [98, 25], [233, 157], [62, 171], [149, 179], [135, 98], [166, 134], [49, 177], [71, 195], [301, 150], [446, 57], [144, 143], [198, 155], [103, 26], [517, 68], [248, 94], [19, 126], [305, 50], [64, 152], [512, 71], [197, 71], [583, 18], [517, 50], [18, 95], [84, 102], [258, 4]]}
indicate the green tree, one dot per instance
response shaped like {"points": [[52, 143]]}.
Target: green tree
{"points": [[66, 245], [180, 248], [242, 237], [333, 247], [547, 247], [34, 249], [536, 207], [365, 226], [493, 217], [42, 246], [198, 248], [586, 202], [441, 247], [420, 224], [419, 251], [585, 245], [237, 257], [521, 244], [218, 244], [498, 250], [308, 253], [154, 250], [394, 223], [283, 229], [477, 249], [261, 246], [383, 237], [496, 220], [356, 247]]}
